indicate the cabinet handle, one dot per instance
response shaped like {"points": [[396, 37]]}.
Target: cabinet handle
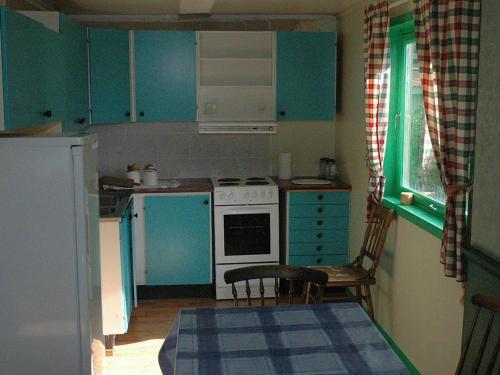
{"points": [[47, 113], [320, 222], [320, 197], [319, 248], [319, 235], [80, 121], [141, 114], [282, 113], [319, 260], [320, 210], [127, 114], [205, 202]]}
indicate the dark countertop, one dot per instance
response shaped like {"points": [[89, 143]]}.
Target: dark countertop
{"points": [[113, 203], [186, 185], [287, 185]]}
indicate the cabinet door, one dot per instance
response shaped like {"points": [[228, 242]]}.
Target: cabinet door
{"points": [[178, 245], [305, 76], [165, 63], [23, 70], [110, 76], [126, 252], [76, 95]]}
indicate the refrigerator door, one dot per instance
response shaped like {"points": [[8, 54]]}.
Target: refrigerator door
{"points": [[88, 256]]}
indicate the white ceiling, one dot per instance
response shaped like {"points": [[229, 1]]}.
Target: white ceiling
{"points": [[238, 7]]}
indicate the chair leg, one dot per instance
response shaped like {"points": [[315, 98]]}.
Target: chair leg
{"points": [[307, 289], [358, 294], [369, 303]]}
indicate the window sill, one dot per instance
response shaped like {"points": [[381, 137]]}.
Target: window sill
{"points": [[418, 216]]}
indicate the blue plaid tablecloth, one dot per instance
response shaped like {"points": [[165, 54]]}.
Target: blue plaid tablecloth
{"points": [[296, 339]]}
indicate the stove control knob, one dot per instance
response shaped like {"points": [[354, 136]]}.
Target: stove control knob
{"points": [[247, 195], [270, 195], [222, 196], [254, 195], [230, 196], [262, 194]]}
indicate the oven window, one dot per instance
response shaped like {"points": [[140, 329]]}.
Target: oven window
{"points": [[247, 234]]}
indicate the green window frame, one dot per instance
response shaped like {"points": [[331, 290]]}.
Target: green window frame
{"points": [[425, 212]]}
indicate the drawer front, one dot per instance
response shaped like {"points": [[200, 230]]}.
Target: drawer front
{"points": [[319, 260], [328, 235], [303, 223], [318, 248], [319, 197], [319, 210]]}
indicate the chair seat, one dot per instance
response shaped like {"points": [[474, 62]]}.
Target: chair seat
{"points": [[346, 275]]}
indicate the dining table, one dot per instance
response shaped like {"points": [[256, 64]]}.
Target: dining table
{"points": [[336, 338]]}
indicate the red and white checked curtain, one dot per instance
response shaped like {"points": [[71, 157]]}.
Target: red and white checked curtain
{"points": [[448, 51], [377, 75]]}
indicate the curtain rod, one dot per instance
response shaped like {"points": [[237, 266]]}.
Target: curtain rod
{"points": [[397, 3]]}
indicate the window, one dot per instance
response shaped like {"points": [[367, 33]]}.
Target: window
{"points": [[410, 164]]}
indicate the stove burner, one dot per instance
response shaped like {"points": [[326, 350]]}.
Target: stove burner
{"points": [[256, 179], [228, 184], [256, 183], [229, 180]]}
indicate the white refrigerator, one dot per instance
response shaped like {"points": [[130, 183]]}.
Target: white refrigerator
{"points": [[50, 293]]}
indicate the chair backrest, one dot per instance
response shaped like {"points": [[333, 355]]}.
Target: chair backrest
{"points": [[492, 306], [276, 272], [376, 232]]}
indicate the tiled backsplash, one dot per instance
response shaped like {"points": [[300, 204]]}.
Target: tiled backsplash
{"points": [[178, 151]]}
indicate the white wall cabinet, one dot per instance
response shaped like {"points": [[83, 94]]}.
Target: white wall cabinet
{"points": [[236, 76]]}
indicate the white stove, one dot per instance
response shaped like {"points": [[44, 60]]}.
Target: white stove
{"points": [[246, 225], [244, 191]]}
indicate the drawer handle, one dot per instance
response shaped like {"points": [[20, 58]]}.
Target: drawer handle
{"points": [[319, 235], [319, 260], [320, 210], [320, 222], [319, 248], [320, 197]]}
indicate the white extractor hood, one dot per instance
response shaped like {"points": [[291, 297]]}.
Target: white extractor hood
{"points": [[237, 128]]}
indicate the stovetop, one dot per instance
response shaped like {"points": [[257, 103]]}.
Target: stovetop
{"points": [[244, 191], [242, 181]]}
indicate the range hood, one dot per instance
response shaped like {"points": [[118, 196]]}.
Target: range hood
{"points": [[237, 128]]}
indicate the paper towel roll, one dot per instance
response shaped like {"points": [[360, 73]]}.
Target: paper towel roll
{"points": [[285, 166]]}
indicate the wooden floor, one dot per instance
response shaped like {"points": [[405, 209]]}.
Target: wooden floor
{"points": [[136, 352]]}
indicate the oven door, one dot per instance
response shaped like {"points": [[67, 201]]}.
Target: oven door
{"points": [[246, 234]]}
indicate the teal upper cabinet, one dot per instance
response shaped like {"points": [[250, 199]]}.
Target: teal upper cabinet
{"points": [[165, 75], [178, 243], [305, 76], [22, 70], [110, 75], [76, 94]]}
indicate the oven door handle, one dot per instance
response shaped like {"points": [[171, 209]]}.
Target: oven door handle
{"points": [[249, 210]]}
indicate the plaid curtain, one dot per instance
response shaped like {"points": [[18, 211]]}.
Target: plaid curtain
{"points": [[448, 51], [377, 75]]}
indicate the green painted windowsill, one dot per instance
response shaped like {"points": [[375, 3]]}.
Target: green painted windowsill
{"points": [[424, 219]]}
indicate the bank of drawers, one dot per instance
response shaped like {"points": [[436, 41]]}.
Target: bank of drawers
{"points": [[318, 224]]}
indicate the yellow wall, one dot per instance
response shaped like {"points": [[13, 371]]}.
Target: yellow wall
{"points": [[419, 307], [306, 141]]}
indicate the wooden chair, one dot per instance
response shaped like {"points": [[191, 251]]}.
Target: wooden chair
{"points": [[493, 306], [293, 274], [355, 274]]}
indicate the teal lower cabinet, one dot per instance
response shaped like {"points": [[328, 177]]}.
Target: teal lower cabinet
{"points": [[317, 228], [178, 239], [117, 274]]}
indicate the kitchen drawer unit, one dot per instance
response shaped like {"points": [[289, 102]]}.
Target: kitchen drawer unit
{"points": [[319, 198], [302, 223], [319, 260], [317, 228], [312, 235], [319, 210], [318, 248]]}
